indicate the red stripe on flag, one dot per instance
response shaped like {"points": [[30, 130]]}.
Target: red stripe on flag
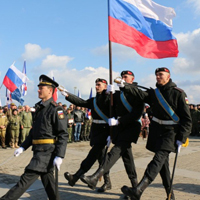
{"points": [[121, 33], [55, 95], [9, 84]]}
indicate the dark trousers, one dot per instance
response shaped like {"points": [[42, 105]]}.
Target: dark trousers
{"points": [[159, 164], [123, 150], [26, 180], [96, 153]]}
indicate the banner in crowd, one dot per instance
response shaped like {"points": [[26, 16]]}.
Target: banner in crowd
{"points": [[16, 95], [23, 88], [8, 98], [14, 78], [144, 26]]}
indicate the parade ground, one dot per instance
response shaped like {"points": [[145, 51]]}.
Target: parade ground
{"points": [[186, 181]]}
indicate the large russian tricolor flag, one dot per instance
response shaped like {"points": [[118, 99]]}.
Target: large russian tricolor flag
{"points": [[14, 78], [143, 25]]}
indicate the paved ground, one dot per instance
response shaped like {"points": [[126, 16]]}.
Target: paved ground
{"points": [[186, 182]]}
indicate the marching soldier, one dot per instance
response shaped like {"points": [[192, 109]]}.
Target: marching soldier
{"points": [[169, 129], [48, 138], [99, 131], [126, 129], [3, 125]]}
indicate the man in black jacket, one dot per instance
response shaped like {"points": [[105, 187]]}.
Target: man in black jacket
{"points": [[169, 128], [48, 138], [99, 130], [126, 129]]}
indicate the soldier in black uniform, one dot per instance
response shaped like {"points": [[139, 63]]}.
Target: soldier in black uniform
{"points": [[166, 132], [128, 111], [48, 138], [99, 131]]}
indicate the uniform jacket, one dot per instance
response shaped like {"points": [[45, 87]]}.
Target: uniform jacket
{"points": [[49, 123], [78, 116], [69, 116], [129, 128], [99, 132], [163, 137], [3, 121], [15, 122], [26, 119]]}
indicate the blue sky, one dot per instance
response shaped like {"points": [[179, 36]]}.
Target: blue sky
{"points": [[70, 40]]}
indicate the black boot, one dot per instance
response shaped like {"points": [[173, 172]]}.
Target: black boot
{"points": [[136, 192], [107, 184], [93, 179], [134, 183], [73, 178], [168, 193]]}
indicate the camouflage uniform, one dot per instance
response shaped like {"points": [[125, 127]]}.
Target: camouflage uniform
{"points": [[26, 122], [14, 130], [3, 122], [87, 127], [70, 121]]}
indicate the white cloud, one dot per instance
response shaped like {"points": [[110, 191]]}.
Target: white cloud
{"points": [[149, 81], [34, 51], [53, 61], [188, 45], [195, 4], [83, 80]]}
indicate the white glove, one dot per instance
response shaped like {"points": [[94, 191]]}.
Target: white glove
{"points": [[57, 162], [121, 85], [64, 93], [18, 151], [108, 141], [113, 122], [179, 144], [110, 88], [118, 80]]}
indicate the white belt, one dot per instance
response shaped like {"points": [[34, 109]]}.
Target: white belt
{"points": [[165, 122], [98, 121]]}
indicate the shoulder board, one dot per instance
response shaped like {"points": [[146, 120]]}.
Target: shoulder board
{"points": [[179, 89], [54, 103]]}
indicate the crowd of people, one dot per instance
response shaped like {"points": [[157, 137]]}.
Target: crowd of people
{"points": [[16, 122]]}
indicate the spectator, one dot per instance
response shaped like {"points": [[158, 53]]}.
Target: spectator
{"points": [[145, 125], [195, 114], [3, 124], [14, 129], [88, 124], [78, 122], [70, 120], [26, 123]]}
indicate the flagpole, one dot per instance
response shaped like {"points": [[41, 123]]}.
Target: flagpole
{"points": [[1, 85], [110, 67]]}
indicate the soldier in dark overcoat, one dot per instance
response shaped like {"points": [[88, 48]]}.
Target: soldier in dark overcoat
{"points": [[126, 129], [170, 126], [99, 131], [48, 138]]}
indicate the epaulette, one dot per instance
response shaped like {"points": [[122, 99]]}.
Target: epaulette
{"points": [[179, 89], [54, 103]]}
